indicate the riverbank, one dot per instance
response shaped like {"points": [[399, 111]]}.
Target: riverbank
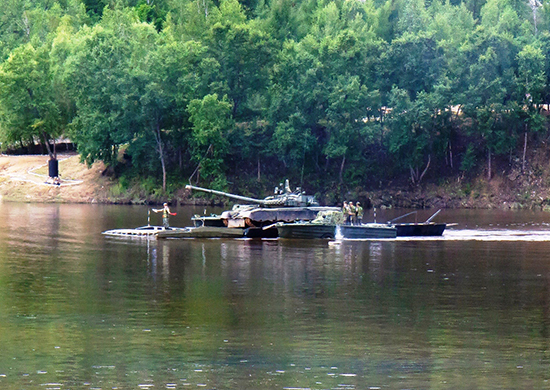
{"points": [[508, 189], [24, 179]]}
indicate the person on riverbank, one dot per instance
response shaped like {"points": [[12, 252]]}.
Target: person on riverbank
{"points": [[165, 215]]}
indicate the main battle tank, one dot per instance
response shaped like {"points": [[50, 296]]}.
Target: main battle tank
{"points": [[284, 205]]}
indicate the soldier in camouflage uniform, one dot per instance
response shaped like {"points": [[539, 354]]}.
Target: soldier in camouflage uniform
{"points": [[352, 214], [345, 212], [359, 213]]}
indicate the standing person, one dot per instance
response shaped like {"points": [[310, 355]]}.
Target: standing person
{"points": [[345, 211], [352, 215], [359, 213], [165, 215]]}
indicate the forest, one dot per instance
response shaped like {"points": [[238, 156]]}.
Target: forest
{"points": [[242, 94]]}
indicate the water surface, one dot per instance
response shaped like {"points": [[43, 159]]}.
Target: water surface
{"points": [[82, 311]]}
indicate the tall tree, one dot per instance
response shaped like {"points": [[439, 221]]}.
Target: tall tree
{"points": [[244, 55], [142, 81], [323, 82], [28, 104], [531, 83], [211, 118], [412, 62], [489, 87], [419, 131], [97, 75]]}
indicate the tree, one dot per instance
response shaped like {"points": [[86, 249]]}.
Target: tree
{"points": [[413, 17], [27, 101], [531, 83], [23, 21], [489, 87], [94, 8], [346, 124], [211, 119], [418, 130], [413, 62], [321, 95], [500, 17], [244, 55], [97, 77], [131, 85]]}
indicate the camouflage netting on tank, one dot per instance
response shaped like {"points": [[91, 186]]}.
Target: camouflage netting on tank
{"points": [[329, 218]]}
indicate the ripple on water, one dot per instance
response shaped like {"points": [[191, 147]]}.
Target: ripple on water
{"points": [[296, 388]]}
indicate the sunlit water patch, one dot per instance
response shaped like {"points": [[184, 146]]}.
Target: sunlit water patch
{"points": [[495, 234]]}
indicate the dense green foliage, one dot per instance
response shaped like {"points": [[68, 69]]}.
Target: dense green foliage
{"points": [[330, 94]]}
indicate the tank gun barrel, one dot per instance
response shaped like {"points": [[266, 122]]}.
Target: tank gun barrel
{"points": [[221, 193]]}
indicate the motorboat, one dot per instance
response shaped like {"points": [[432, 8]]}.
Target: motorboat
{"points": [[418, 229]]}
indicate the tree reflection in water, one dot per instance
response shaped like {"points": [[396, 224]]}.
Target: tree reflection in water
{"points": [[78, 310]]}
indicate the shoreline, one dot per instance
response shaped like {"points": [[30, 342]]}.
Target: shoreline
{"points": [[23, 179]]}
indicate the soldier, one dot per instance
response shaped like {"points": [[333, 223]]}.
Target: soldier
{"points": [[165, 214], [352, 214], [345, 211], [359, 213]]}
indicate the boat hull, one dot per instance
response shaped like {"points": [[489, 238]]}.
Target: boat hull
{"points": [[202, 232], [367, 231], [306, 230], [312, 230], [139, 232], [420, 229], [257, 232]]}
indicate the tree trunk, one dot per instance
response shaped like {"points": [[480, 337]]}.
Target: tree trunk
{"points": [[44, 135], [425, 169], [524, 151], [52, 154], [161, 155], [489, 168], [259, 174], [414, 174], [451, 155], [342, 169]]}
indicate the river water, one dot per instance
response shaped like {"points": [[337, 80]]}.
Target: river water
{"points": [[79, 310]]}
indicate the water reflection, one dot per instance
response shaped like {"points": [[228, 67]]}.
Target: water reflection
{"points": [[78, 310]]}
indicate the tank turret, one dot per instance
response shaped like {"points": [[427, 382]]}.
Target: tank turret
{"points": [[281, 198]]}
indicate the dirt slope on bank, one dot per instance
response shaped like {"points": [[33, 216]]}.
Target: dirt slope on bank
{"points": [[510, 188], [24, 179]]}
